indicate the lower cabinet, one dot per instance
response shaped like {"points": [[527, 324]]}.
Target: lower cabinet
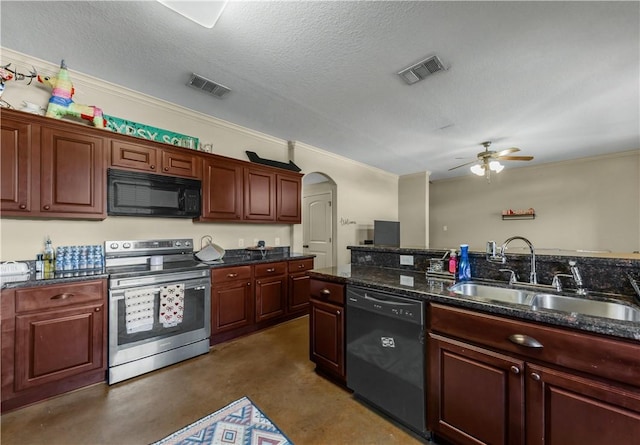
{"points": [[271, 290], [231, 299], [327, 328], [298, 295], [495, 380], [53, 340]]}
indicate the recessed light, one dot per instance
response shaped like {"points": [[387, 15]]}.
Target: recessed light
{"points": [[203, 13]]}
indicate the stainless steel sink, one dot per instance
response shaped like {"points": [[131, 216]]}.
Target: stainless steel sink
{"points": [[606, 309], [495, 293]]}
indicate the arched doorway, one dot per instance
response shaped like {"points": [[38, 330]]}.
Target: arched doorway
{"points": [[319, 218]]}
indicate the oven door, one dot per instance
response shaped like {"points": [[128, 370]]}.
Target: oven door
{"points": [[127, 345]]}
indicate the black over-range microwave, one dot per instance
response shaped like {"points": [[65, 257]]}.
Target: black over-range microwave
{"points": [[146, 194]]}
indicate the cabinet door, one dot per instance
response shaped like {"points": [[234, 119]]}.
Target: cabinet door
{"points": [[289, 196], [181, 163], [135, 156], [326, 337], [231, 306], [567, 409], [259, 195], [222, 190], [55, 345], [475, 396], [271, 294], [72, 178], [15, 162], [298, 292]]}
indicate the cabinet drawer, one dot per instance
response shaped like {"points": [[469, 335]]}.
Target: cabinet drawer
{"points": [[230, 274], [271, 269], [300, 265], [327, 291], [597, 355], [55, 296]]}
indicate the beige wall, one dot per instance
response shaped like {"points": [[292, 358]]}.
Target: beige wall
{"points": [[586, 204], [413, 209], [364, 193]]}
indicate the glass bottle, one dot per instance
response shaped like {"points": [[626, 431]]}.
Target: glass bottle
{"points": [[49, 257], [464, 268], [453, 262]]}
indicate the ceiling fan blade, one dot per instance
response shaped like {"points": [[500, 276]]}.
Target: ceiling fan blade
{"points": [[516, 158], [501, 153], [462, 165]]}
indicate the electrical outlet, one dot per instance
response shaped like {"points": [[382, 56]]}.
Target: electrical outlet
{"points": [[444, 228], [240, 242], [277, 241], [406, 260]]}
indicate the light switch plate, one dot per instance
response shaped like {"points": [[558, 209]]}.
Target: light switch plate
{"points": [[406, 260]]}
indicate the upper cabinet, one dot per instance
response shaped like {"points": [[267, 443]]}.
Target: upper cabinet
{"points": [[148, 157], [51, 171], [234, 190]]}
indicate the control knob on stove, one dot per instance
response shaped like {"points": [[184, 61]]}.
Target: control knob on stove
{"points": [[114, 246], [126, 245], [187, 244], [178, 244]]}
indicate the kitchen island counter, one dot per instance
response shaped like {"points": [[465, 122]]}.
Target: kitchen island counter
{"points": [[415, 284]]}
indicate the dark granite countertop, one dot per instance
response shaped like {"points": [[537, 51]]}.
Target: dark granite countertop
{"points": [[416, 284], [31, 280]]}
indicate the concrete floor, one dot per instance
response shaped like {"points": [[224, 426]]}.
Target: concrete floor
{"points": [[272, 368]]}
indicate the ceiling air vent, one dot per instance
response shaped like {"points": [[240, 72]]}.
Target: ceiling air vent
{"points": [[208, 86], [421, 70]]}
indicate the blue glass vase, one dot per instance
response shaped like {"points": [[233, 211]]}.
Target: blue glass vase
{"points": [[464, 268]]}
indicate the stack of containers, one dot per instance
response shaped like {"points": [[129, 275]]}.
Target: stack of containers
{"points": [[79, 257]]}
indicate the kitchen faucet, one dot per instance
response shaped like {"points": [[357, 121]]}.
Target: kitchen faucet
{"points": [[500, 255]]}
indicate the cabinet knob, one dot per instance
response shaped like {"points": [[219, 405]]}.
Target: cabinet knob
{"points": [[249, 283], [23, 206], [152, 167], [97, 309], [535, 376], [337, 312], [47, 207], [515, 369], [166, 169]]}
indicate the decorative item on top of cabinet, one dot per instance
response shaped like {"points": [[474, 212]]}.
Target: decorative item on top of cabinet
{"points": [[53, 340], [327, 329], [51, 169], [299, 290], [532, 392], [152, 157]]}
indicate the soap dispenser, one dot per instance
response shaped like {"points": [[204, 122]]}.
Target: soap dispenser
{"points": [[464, 268], [453, 262]]}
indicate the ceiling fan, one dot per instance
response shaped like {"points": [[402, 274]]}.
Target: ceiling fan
{"points": [[489, 160]]}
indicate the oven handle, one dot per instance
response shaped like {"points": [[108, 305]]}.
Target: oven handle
{"points": [[152, 290], [388, 302]]}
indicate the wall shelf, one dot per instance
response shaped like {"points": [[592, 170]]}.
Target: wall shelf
{"points": [[521, 216]]}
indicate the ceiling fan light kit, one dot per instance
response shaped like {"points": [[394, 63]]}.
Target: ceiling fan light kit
{"points": [[488, 160]]}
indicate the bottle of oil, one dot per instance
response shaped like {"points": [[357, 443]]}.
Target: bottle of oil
{"points": [[49, 257]]}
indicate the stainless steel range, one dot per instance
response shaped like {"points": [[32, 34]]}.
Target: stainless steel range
{"points": [[159, 305]]}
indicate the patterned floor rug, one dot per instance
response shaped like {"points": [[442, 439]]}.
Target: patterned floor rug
{"points": [[239, 423]]}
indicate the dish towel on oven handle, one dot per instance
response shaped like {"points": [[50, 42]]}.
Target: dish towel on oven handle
{"points": [[139, 310], [171, 305]]}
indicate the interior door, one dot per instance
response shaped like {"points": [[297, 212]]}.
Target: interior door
{"points": [[317, 232]]}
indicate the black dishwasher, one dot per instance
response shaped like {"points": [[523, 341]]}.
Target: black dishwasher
{"points": [[386, 354]]}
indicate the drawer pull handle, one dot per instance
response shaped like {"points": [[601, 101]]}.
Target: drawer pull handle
{"points": [[271, 270], [525, 340], [62, 296], [300, 266], [515, 369], [325, 292], [535, 376], [232, 275]]}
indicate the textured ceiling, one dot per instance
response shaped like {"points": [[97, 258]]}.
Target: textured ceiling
{"points": [[559, 80]]}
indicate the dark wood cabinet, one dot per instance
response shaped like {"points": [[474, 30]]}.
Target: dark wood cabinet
{"points": [[231, 299], [56, 342], [222, 190], [327, 329], [72, 173], [16, 160], [259, 195], [149, 157], [270, 290], [288, 198], [299, 289], [51, 170], [573, 386]]}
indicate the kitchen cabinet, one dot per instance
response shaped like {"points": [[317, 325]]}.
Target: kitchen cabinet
{"points": [[222, 189], [55, 340], [270, 290], [299, 290], [231, 299], [288, 198], [16, 159], [51, 169], [150, 158], [327, 328], [486, 371], [259, 194]]}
